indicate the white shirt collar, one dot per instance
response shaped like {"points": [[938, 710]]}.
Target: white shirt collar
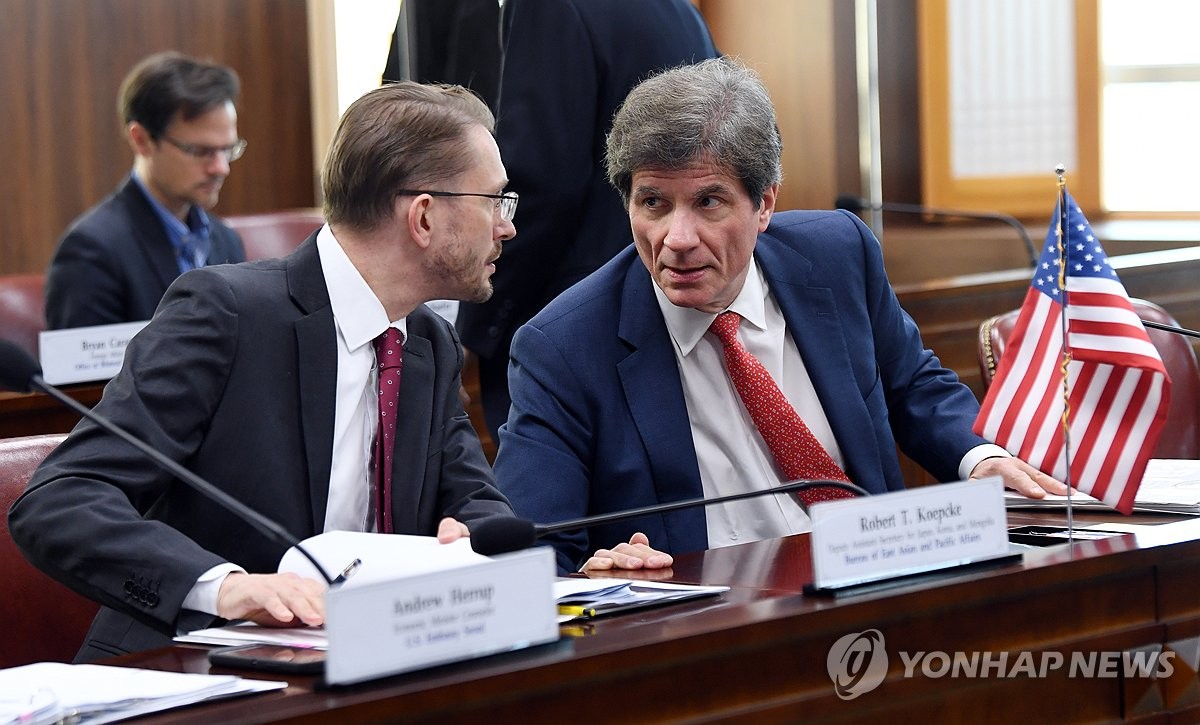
{"points": [[359, 315], [687, 325]]}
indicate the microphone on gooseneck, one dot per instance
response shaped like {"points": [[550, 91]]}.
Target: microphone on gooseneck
{"points": [[1171, 328], [19, 372], [502, 534], [849, 202]]}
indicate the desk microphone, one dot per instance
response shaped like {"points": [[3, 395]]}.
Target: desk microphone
{"points": [[20, 373], [502, 534], [1171, 328], [853, 203]]}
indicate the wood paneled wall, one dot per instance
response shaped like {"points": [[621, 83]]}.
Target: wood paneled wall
{"points": [[790, 43], [61, 63], [804, 51]]}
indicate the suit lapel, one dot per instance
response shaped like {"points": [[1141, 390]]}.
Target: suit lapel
{"points": [[815, 325], [316, 349], [654, 395], [149, 234]]}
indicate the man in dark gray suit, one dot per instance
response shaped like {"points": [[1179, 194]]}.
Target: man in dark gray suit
{"points": [[114, 263], [262, 378], [568, 64]]}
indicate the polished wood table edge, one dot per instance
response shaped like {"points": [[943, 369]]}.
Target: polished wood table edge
{"points": [[24, 414], [747, 620]]}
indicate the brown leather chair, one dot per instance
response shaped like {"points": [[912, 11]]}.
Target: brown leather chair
{"points": [[277, 233], [22, 310], [1180, 437], [43, 621]]}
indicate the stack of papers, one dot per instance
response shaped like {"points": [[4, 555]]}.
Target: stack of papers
{"points": [[576, 598], [588, 598], [1169, 485], [251, 633], [50, 692]]}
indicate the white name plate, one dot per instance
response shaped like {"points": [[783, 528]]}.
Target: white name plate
{"points": [[83, 354], [404, 624], [861, 540]]}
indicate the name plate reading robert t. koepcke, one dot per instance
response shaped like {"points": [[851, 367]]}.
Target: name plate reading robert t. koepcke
{"points": [[83, 354], [862, 540]]}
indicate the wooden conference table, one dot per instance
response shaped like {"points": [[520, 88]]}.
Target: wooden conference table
{"points": [[759, 651]]}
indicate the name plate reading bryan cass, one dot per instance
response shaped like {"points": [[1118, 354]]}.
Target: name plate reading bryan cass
{"points": [[873, 538], [408, 623], [83, 354]]}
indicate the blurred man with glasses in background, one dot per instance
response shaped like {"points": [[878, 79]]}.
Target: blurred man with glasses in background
{"points": [[114, 263]]}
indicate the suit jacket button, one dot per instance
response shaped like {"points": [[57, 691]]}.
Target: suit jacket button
{"points": [[129, 586], [493, 331], [152, 599]]}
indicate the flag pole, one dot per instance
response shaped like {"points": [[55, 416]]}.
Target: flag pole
{"points": [[1061, 233]]}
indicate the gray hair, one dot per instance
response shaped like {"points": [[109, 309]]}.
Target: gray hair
{"points": [[716, 111]]}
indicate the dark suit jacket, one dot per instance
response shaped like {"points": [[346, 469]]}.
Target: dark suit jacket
{"points": [[568, 65], [234, 378], [114, 263], [599, 423], [455, 41]]}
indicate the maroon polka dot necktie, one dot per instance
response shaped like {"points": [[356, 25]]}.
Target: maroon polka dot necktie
{"points": [[794, 447], [388, 355]]}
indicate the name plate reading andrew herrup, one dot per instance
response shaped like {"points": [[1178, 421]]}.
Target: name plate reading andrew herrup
{"points": [[83, 354], [408, 623], [873, 538]]}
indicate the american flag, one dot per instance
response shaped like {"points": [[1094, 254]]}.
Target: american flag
{"points": [[1119, 389]]}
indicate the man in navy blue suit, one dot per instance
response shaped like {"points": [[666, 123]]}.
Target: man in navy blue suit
{"points": [[620, 393]]}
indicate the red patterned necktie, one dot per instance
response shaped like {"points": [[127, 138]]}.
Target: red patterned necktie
{"points": [[796, 450], [389, 357]]}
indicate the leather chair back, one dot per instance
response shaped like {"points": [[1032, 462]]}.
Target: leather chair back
{"points": [[43, 621], [1180, 437], [22, 310], [275, 234]]}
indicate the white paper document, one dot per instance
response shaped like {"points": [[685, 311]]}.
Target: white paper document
{"points": [[250, 633], [382, 557], [55, 692], [1169, 485]]}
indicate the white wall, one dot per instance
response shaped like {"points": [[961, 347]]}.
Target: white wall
{"points": [[348, 46]]}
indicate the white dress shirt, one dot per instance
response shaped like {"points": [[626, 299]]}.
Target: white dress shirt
{"points": [[732, 456], [359, 317]]}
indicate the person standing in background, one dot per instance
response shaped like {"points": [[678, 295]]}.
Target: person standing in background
{"points": [[451, 41], [114, 263], [568, 65]]}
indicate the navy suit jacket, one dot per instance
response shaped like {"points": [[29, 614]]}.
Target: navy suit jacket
{"points": [[235, 378], [599, 422], [115, 261]]}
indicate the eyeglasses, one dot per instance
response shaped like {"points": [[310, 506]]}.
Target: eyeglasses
{"points": [[506, 203], [204, 153]]}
